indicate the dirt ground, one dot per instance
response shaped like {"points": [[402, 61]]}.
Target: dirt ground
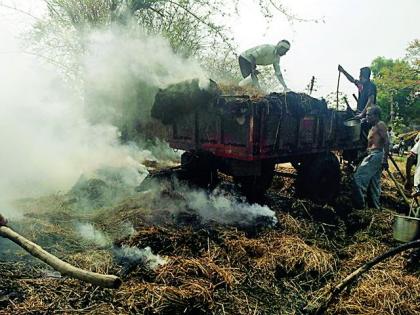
{"points": [[212, 268]]}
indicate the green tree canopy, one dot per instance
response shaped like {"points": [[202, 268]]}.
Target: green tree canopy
{"points": [[398, 90]]}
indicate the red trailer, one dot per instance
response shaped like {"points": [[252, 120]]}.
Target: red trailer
{"points": [[245, 138]]}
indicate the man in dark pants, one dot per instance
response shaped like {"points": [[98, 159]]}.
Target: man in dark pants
{"points": [[367, 178], [263, 55]]}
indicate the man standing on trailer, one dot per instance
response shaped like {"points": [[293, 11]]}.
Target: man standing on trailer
{"points": [[366, 179], [263, 55], [367, 89]]}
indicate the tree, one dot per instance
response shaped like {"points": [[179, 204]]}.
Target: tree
{"points": [[398, 89]]}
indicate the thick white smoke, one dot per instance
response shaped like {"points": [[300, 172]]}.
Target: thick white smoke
{"points": [[126, 254], [225, 208], [145, 256], [221, 205], [50, 135], [90, 234]]}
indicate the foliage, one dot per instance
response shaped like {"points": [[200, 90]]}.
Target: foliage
{"points": [[398, 89], [413, 54]]}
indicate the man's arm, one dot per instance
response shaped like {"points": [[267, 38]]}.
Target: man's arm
{"points": [[279, 75], [348, 76]]}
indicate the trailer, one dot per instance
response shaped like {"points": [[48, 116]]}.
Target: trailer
{"points": [[245, 137]]}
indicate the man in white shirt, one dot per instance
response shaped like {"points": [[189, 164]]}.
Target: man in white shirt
{"points": [[414, 258], [263, 55], [411, 160]]}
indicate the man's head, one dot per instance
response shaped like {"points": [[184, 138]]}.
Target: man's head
{"points": [[373, 114], [364, 74], [282, 47]]}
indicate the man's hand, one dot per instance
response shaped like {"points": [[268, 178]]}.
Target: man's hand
{"points": [[340, 68], [416, 192], [385, 165], [3, 221]]}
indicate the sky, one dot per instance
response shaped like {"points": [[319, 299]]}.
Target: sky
{"points": [[353, 33]]}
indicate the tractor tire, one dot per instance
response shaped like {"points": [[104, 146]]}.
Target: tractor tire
{"points": [[254, 187], [319, 180]]}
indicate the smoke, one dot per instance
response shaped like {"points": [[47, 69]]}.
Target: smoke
{"points": [[124, 69], [89, 233], [225, 208], [126, 255], [131, 256], [223, 205], [51, 135], [54, 138]]}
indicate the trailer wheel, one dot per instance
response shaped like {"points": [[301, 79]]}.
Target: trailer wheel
{"points": [[319, 179], [254, 187], [199, 169]]}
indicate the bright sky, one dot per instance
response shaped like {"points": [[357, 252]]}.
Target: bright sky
{"points": [[354, 33]]}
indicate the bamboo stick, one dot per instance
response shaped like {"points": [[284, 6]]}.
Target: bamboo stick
{"points": [[106, 281]]}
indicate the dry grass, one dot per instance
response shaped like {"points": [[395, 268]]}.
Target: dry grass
{"points": [[216, 269]]}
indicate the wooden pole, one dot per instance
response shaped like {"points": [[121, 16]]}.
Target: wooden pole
{"points": [[105, 281], [338, 86], [396, 166], [398, 187]]}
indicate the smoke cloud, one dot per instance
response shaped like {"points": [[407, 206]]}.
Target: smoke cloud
{"points": [[89, 233], [126, 255], [223, 205], [51, 134], [134, 256], [55, 138], [225, 208]]}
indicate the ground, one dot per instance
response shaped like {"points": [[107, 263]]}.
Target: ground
{"points": [[211, 268]]}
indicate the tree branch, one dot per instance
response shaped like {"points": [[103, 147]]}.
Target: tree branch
{"points": [[209, 25], [288, 15], [19, 10]]}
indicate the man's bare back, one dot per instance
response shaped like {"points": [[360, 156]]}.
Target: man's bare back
{"points": [[377, 136]]}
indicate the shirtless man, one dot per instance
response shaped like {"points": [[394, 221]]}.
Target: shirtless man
{"points": [[368, 174]]}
